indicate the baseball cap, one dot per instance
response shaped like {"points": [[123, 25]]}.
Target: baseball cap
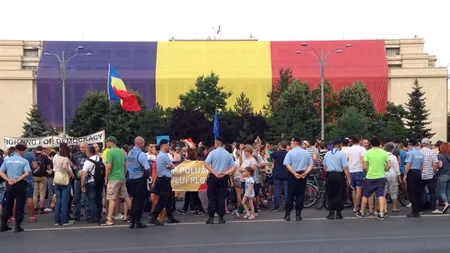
{"points": [[218, 138], [426, 141], [297, 139], [21, 147], [111, 139]]}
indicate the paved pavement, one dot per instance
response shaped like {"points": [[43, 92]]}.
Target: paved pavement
{"points": [[427, 234]]}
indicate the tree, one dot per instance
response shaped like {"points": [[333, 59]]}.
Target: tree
{"points": [[294, 113], [123, 124], [187, 123], [352, 122], [254, 125], [230, 125], [91, 114], [207, 96], [357, 96], [331, 100], [389, 124], [282, 85], [448, 127], [154, 123], [243, 105], [417, 117], [36, 126]]}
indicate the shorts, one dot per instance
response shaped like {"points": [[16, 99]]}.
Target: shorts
{"points": [[116, 189], [30, 190], [392, 187], [357, 179], [237, 183], [377, 186]]}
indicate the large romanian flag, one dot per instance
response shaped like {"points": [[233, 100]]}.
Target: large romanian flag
{"points": [[117, 91]]}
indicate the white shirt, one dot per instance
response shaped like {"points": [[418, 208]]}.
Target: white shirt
{"points": [[345, 151], [89, 168], [354, 154], [394, 171]]}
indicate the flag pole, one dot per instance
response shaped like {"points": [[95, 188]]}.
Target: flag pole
{"points": [[108, 83]]}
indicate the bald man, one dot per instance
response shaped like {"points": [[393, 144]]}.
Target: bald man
{"points": [[138, 169]]}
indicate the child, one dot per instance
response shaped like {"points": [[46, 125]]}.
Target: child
{"points": [[249, 193]]}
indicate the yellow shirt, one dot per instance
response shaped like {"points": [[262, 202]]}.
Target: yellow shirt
{"points": [[104, 154]]}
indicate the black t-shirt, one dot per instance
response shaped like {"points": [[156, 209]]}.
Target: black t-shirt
{"points": [[279, 170], [43, 162]]}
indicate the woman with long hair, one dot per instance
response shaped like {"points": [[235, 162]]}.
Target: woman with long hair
{"points": [[61, 165], [444, 174]]}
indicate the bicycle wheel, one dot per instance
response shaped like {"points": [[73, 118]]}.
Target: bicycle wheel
{"points": [[310, 195], [348, 197], [320, 202]]}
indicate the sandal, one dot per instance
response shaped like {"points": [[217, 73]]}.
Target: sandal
{"points": [[396, 211]]}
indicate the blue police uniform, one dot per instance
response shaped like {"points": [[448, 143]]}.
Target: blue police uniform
{"points": [[163, 187], [138, 169], [15, 167], [415, 158], [299, 159], [335, 161], [220, 161]]}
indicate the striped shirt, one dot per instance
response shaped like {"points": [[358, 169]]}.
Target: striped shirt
{"points": [[429, 160]]}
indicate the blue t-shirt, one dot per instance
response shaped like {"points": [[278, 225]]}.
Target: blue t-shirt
{"points": [[402, 161]]}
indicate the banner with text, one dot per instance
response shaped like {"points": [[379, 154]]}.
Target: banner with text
{"points": [[54, 141], [190, 176]]}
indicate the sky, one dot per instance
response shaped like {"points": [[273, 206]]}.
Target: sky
{"points": [[160, 20]]}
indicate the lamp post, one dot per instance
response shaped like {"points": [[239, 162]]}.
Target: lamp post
{"points": [[64, 60], [322, 59]]}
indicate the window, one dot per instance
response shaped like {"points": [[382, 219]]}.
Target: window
{"points": [[104, 53], [392, 51], [123, 53], [31, 52], [29, 67]]}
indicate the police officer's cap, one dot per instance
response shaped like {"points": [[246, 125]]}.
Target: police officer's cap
{"points": [[21, 147], [218, 138], [337, 142], [297, 139], [163, 141]]}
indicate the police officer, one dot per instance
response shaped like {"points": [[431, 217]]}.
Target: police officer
{"points": [[138, 171], [164, 167], [299, 163], [335, 164], [413, 177], [14, 171], [220, 165]]}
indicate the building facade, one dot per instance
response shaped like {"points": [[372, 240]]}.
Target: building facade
{"points": [[163, 70]]}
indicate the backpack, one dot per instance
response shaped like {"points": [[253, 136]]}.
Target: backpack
{"points": [[42, 169], [99, 171]]}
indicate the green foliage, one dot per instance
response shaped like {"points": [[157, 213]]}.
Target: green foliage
{"points": [[282, 85], [294, 113], [357, 96], [154, 122], [254, 125], [390, 124], [352, 122], [331, 101], [206, 97], [90, 115], [448, 127], [187, 123], [417, 118], [36, 126], [243, 105]]}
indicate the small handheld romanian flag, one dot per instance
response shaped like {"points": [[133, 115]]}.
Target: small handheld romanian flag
{"points": [[117, 91]]}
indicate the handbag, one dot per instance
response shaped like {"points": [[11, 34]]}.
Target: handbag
{"points": [[61, 178]]}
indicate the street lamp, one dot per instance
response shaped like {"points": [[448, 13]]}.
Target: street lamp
{"points": [[322, 58], [64, 60]]}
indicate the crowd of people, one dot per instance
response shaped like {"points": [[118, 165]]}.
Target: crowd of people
{"points": [[86, 181]]}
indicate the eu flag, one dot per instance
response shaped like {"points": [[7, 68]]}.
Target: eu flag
{"points": [[216, 125], [117, 91]]}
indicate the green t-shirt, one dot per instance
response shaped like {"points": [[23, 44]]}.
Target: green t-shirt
{"points": [[375, 159], [116, 157]]}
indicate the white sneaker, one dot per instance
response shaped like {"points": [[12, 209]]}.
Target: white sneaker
{"points": [[47, 210], [409, 205], [119, 217], [436, 212]]}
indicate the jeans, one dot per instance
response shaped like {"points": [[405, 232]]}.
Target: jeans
{"points": [[278, 185], [444, 187], [94, 193], [79, 199], [431, 185], [50, 191], [62, 204]]}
